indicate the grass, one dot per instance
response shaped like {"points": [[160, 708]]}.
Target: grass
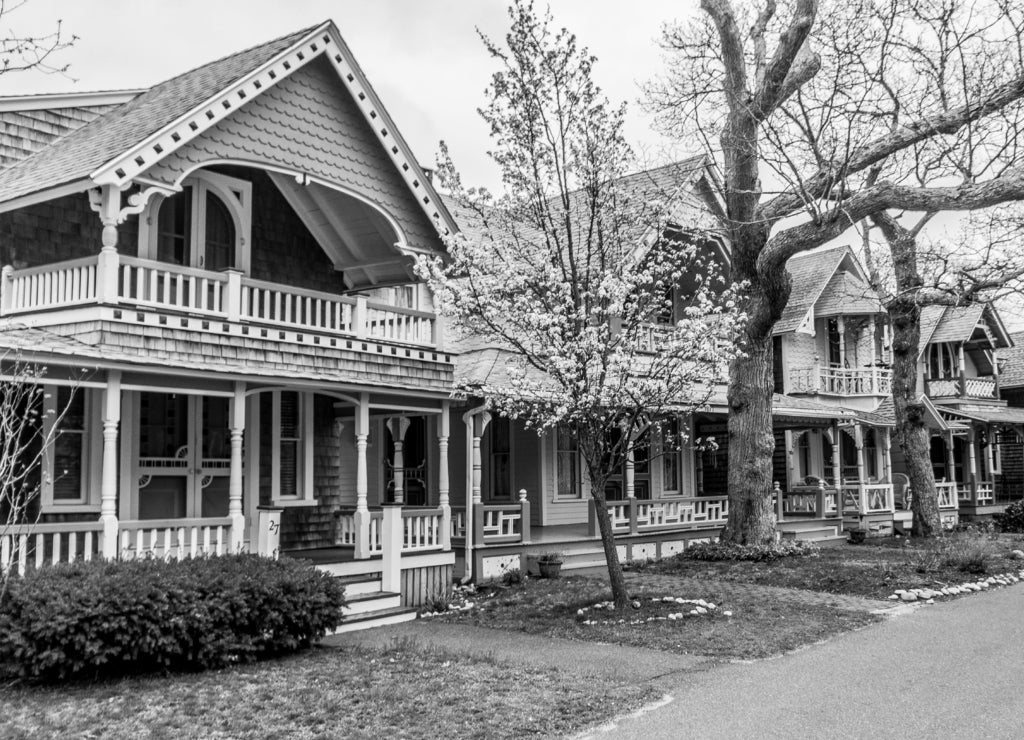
{"points": [[758, 627], [874, 570], [348, 692]]}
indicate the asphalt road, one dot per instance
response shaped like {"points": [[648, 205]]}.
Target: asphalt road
{"points": [[953, 670]]}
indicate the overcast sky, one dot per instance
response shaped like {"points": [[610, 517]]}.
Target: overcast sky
{"points": [[422, 56]]}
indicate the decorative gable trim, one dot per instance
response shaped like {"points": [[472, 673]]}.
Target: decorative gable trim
{"points": [[139, 158], [324, 40]]}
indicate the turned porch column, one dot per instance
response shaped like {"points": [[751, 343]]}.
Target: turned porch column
{"points": [[972, 456], [237, 431], [443, 433], [950, 457], [398, 426], [858, 438], [837, 455], [479, 425], [108, 480], [887, 455], [362, 516], [108, 206]]}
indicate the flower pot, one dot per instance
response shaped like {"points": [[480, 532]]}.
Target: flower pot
{"points": [[549, 568]]}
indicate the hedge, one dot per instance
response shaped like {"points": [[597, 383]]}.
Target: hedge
{"points": [[99, 619]]}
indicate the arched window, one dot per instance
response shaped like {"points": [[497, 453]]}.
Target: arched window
{"points": [[942, 361], [206, 225], [220, 235]]}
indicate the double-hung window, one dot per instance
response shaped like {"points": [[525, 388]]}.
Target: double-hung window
{"points": [[286, 459]]}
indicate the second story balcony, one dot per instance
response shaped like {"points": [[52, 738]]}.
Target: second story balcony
{"points": [[839, 381], [984, 388], [82, 289]]}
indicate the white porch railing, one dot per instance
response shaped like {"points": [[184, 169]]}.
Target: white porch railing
{"points": [[501, 523], [421, 529], [839, 381], [48, 544], [868, 498], [634, 515], [174, 538], [70, 283], [166, 286], [986, 493], [947, 494], [131, 281], [271, 303]]}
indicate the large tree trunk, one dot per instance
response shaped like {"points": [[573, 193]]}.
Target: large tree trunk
{"points": [[912, 434], [751, 385], [751, 445]]}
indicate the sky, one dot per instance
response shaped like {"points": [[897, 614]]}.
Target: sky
{"points": [[423, 57]]}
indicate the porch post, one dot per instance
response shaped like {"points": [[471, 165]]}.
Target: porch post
{"points": [[443, 432], [524, 516], [989, 460], [790, 458], [950, 457], [237, 431], [480, 422], [887, 455], [837, 455], [398, 426], [362, 516], [108, 262], [973, 460], [108, 485], [630, 476], [858, 438]]}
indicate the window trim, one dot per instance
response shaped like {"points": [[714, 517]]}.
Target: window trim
{"points": [[492, 468], [304, 473], [235, 193], [580, 494], [89, 500]]}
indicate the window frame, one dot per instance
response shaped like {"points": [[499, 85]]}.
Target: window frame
{"points": [[234, 193], [575, 466], [91, 434], [305, 474]]}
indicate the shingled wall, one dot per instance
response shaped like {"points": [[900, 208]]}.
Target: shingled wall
{"points": [[56, 230]]}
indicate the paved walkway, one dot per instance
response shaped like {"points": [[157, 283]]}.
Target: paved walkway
{"points": [[951, 670]]}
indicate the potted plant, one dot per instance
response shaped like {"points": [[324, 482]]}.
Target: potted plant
{"points": [[550, 564]]}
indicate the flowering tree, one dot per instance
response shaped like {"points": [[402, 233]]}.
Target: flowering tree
{"points": [[823, 114], [601, 287], [25, 436]]}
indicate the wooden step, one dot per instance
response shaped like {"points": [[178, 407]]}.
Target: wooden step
{"points": [[357, 585], [365, 603], [378, 618]]}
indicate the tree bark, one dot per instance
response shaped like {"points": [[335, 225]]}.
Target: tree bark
{"points": [[611, 554], [912, 433]]}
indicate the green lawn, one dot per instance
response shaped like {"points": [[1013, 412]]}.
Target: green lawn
{"points": [[325, 693]]}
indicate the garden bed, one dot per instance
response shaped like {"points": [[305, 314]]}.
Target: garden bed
{"points": [[741, 625]]}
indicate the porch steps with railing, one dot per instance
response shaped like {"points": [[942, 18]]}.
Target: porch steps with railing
{"points": [[368, 605]]}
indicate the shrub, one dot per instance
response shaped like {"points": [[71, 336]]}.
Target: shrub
{"points": [[719, 551], [1011, 520], [969, 552], [113, 618]]}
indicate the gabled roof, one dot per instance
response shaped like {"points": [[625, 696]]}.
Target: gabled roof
{"points": [[29, 123], [959, 324], [815, 278], [1011, 363], [77, 155], [124, 143]]}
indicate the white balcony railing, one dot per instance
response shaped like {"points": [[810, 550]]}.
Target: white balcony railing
{"points": [[839, 381], [148, 284], [961, 387]]}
